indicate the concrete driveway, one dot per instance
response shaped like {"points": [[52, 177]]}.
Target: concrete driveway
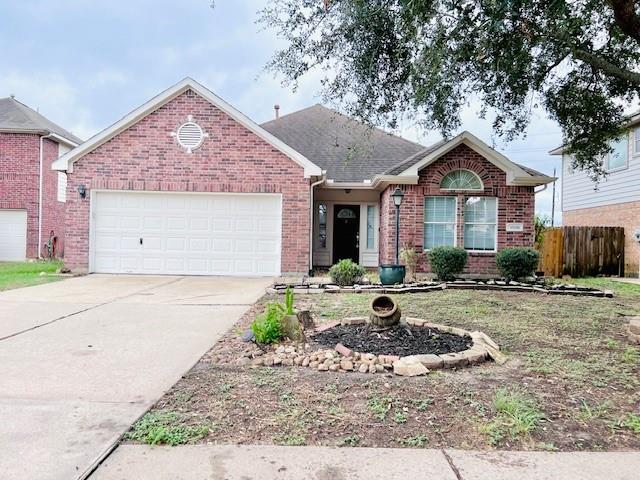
{"points": [[82, 359]]}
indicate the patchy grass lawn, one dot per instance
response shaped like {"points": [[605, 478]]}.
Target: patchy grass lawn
{"points": [[25, 274], [572, 382]]}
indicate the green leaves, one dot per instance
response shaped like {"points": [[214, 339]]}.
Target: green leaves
{"points": [[389, 59]]}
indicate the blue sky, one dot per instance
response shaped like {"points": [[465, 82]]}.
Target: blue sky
{"points": [[85, 63]]}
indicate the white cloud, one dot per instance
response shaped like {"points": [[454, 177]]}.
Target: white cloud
{"points": [[53, 95]]}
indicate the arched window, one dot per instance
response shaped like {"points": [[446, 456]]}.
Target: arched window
{"points": [[461, 180]]}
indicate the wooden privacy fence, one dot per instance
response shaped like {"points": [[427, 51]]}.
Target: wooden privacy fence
{"points": [[582, 251]]}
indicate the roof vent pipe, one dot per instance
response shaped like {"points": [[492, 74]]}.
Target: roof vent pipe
{"points": [[276, 107]]}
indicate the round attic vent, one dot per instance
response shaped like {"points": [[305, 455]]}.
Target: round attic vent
{"points": [[190, 136]]}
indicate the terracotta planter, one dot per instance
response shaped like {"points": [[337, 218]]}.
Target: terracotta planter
{"points": [[384, 311]]}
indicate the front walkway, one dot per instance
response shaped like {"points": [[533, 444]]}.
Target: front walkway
{"points": [[82, 359], [248, 462]]}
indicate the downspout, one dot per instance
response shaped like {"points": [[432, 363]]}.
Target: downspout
{"points": [[40, 182], [323, 178]]}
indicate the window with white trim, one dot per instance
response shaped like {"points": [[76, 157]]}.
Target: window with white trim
{"points": [[636, 141], [461, 180], [480, 223], [62, 187], [619, 158], [371, 225], [439, 222]]}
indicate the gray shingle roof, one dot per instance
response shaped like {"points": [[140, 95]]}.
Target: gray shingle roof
{"points": [[17, 117], [348, 150]]}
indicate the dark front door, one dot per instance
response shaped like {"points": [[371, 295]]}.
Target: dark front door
{"points": [[346, 228]]}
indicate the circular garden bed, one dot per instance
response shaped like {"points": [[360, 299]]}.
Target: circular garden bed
{"points": [[412, 347]]}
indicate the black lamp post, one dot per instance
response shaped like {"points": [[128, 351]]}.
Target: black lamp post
{"points": [[397, 201]]}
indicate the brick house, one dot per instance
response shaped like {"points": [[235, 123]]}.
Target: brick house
{"points": [[186, 184], [32, 195], [612, 202]]}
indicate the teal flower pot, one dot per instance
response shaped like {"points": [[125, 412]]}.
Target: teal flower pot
{"points": [[391, 274]]}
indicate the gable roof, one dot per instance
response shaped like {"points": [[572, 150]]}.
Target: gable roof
{"points": [[66, 161], [16, 117], [516, 174], [347, 149]]}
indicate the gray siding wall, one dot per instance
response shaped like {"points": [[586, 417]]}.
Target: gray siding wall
{"points": [[620, 186]]}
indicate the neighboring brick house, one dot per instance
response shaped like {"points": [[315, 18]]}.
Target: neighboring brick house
{"points": [[32, 195], [612, 202], [186, 184]]}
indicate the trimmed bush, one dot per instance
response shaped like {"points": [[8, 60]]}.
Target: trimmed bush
{"points": [[515, 263], [447, 262], [346, 272]]}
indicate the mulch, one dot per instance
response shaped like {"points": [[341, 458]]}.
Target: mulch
{"points": [[398, 340]]}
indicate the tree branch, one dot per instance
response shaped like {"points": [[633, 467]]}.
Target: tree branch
{"points": [[626, 17], [605, 66]]}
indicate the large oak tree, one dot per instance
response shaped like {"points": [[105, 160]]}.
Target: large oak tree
{"points": [[429, 58]]}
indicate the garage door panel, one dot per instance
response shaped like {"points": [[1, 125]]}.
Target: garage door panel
{"points": [[13, 235], [129, 223], [200, 234]]}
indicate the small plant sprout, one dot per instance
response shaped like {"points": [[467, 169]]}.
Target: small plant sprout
{"points": [[288, 301]]}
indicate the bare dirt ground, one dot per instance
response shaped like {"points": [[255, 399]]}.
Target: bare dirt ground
{"points": [[572, 382]]}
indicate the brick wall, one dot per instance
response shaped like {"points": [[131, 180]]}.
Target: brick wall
{"points": [[231, 159], [626, 215], [19, 184], [515, 204]]}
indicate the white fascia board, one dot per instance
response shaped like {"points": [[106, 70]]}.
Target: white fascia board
{"points": [[66, 161], [503, 163]]}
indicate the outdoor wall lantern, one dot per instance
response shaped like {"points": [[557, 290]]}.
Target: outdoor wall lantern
{"points": [[82, 190]]}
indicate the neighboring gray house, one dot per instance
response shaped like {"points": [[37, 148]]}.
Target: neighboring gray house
{"points": [[615, 200]]}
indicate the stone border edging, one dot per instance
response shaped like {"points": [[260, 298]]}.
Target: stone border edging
{"points": [[342, 359], [435, 286]]}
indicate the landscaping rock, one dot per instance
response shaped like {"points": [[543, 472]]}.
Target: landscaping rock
{"points": [[257, 361], [379, 368], [334, 367], [323, 367], [305, 362], [454, 360], [388, 358], [372, 368], [634, 325], [242, 361], [354, 321], [247, 335], [342, 350], [409, 369], [364, 368], [481, 337], [476, 355], [314, 364], [346, 365], [432, 362]]}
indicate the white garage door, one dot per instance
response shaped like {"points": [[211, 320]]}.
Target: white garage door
{"points": [[13, 235], [189, 234]]}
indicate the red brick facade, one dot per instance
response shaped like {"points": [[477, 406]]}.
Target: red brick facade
{"points": [[19, 185], [231, 159], [626, 215], [515, 204]]}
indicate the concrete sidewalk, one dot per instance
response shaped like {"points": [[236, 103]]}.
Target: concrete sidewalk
{"points": [[253, 462]]}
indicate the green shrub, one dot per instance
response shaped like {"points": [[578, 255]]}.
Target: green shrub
{"points": [[517, 262], [267, 327], [447, 262], [346, 272]]}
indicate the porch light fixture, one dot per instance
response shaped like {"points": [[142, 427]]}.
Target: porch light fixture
{"points": [[397, 201], [82, 190]]}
